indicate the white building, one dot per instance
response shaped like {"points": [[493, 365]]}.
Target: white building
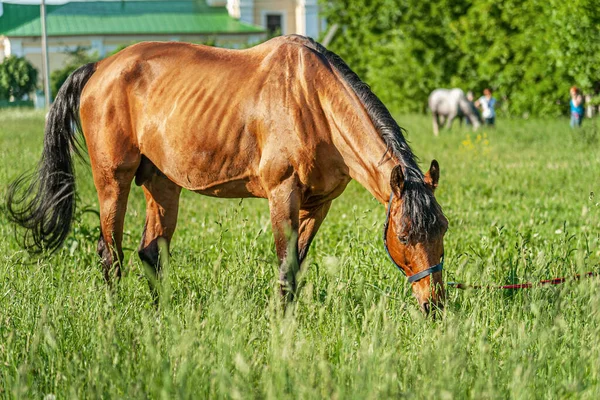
{"points": [[278, 16]]}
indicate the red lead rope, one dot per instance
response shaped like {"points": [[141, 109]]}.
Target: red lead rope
{"points": [[528, 285]]}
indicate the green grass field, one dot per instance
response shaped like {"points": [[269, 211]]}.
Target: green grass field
{"points": [[521, 205]]}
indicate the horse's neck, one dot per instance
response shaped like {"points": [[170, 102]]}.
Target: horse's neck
{"points": [[363, 149]]}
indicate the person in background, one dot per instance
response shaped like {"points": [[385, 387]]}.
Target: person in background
{"points": [[470, 99], [576, 107], [487, 104]]}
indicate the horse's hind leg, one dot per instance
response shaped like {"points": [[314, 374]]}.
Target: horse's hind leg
{"points": [[162, 206], [113, 186], [114, 159], [436, 123]]}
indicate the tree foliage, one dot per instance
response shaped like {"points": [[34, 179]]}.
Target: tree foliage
{"points": [[76, 59], [530, 52], [18, 78]]}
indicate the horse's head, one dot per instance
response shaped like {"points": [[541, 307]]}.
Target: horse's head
{"points": [[414, 235]]}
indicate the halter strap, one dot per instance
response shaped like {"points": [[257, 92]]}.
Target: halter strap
{"points": [[426, 272], [419, 275]]}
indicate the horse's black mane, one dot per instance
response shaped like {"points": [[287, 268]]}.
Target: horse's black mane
{"points": [[422, 215]]}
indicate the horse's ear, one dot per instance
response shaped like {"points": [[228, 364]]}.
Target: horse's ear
{"points": [[433, 175], [397, 180]]}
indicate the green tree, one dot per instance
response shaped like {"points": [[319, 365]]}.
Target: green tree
{"points": [[402, 48], [76, 59], [18, 78], [530, 52]]}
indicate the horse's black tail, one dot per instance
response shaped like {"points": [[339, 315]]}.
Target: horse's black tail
{"points": [[43, 203]]}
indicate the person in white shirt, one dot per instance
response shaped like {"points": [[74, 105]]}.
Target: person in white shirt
{"points": [[487, 104]]}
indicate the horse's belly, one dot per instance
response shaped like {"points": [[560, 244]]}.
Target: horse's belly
{"points": [[234, 189], [212, 161], [218, 177], [444, 108]]}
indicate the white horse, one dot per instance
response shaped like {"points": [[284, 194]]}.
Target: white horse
{"points": [[449, 104]]}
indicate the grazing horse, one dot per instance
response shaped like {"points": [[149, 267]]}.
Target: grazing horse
{"points": [[286, 120], [448, 104]]}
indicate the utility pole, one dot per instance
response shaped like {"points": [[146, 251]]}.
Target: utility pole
{"points": [[46, 66], [330, 34]]}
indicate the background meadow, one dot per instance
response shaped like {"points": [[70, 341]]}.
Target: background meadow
{"points": [[523, 204]]}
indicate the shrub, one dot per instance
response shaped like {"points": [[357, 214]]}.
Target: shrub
{"points": [[18, 78]]}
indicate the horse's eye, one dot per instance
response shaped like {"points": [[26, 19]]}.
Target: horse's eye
{"points": [[403, 239]]}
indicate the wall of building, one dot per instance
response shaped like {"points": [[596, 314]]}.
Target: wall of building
{"points": [[287, 8], [298, 16], [4, 47]]}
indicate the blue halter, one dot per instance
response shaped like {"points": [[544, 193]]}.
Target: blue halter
{"points": [[419, 275]]}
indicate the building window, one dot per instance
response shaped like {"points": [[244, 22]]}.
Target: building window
{"points": [[274, 23]]}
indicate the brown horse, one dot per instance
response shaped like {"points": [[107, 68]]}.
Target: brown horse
{"points": [[286, 120]]}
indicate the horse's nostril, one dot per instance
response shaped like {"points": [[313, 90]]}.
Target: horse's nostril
{"points": [[425, 307]]}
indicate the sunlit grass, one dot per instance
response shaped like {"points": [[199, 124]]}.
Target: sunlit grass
{"points": [[522, 205]]}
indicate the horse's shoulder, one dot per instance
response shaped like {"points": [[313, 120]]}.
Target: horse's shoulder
{"points": [[289, 41], [300, 40], [292, 51], [289, 46]]}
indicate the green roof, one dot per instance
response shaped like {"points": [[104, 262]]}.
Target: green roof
{"points": [[122, 17]]}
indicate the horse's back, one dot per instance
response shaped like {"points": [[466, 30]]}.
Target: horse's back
{"points": [[444, 101], [437, 100]]}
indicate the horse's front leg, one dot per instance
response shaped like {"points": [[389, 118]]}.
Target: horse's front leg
{"points": [[162, 207], [310, 221], [284, 204], [449, 120]]}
